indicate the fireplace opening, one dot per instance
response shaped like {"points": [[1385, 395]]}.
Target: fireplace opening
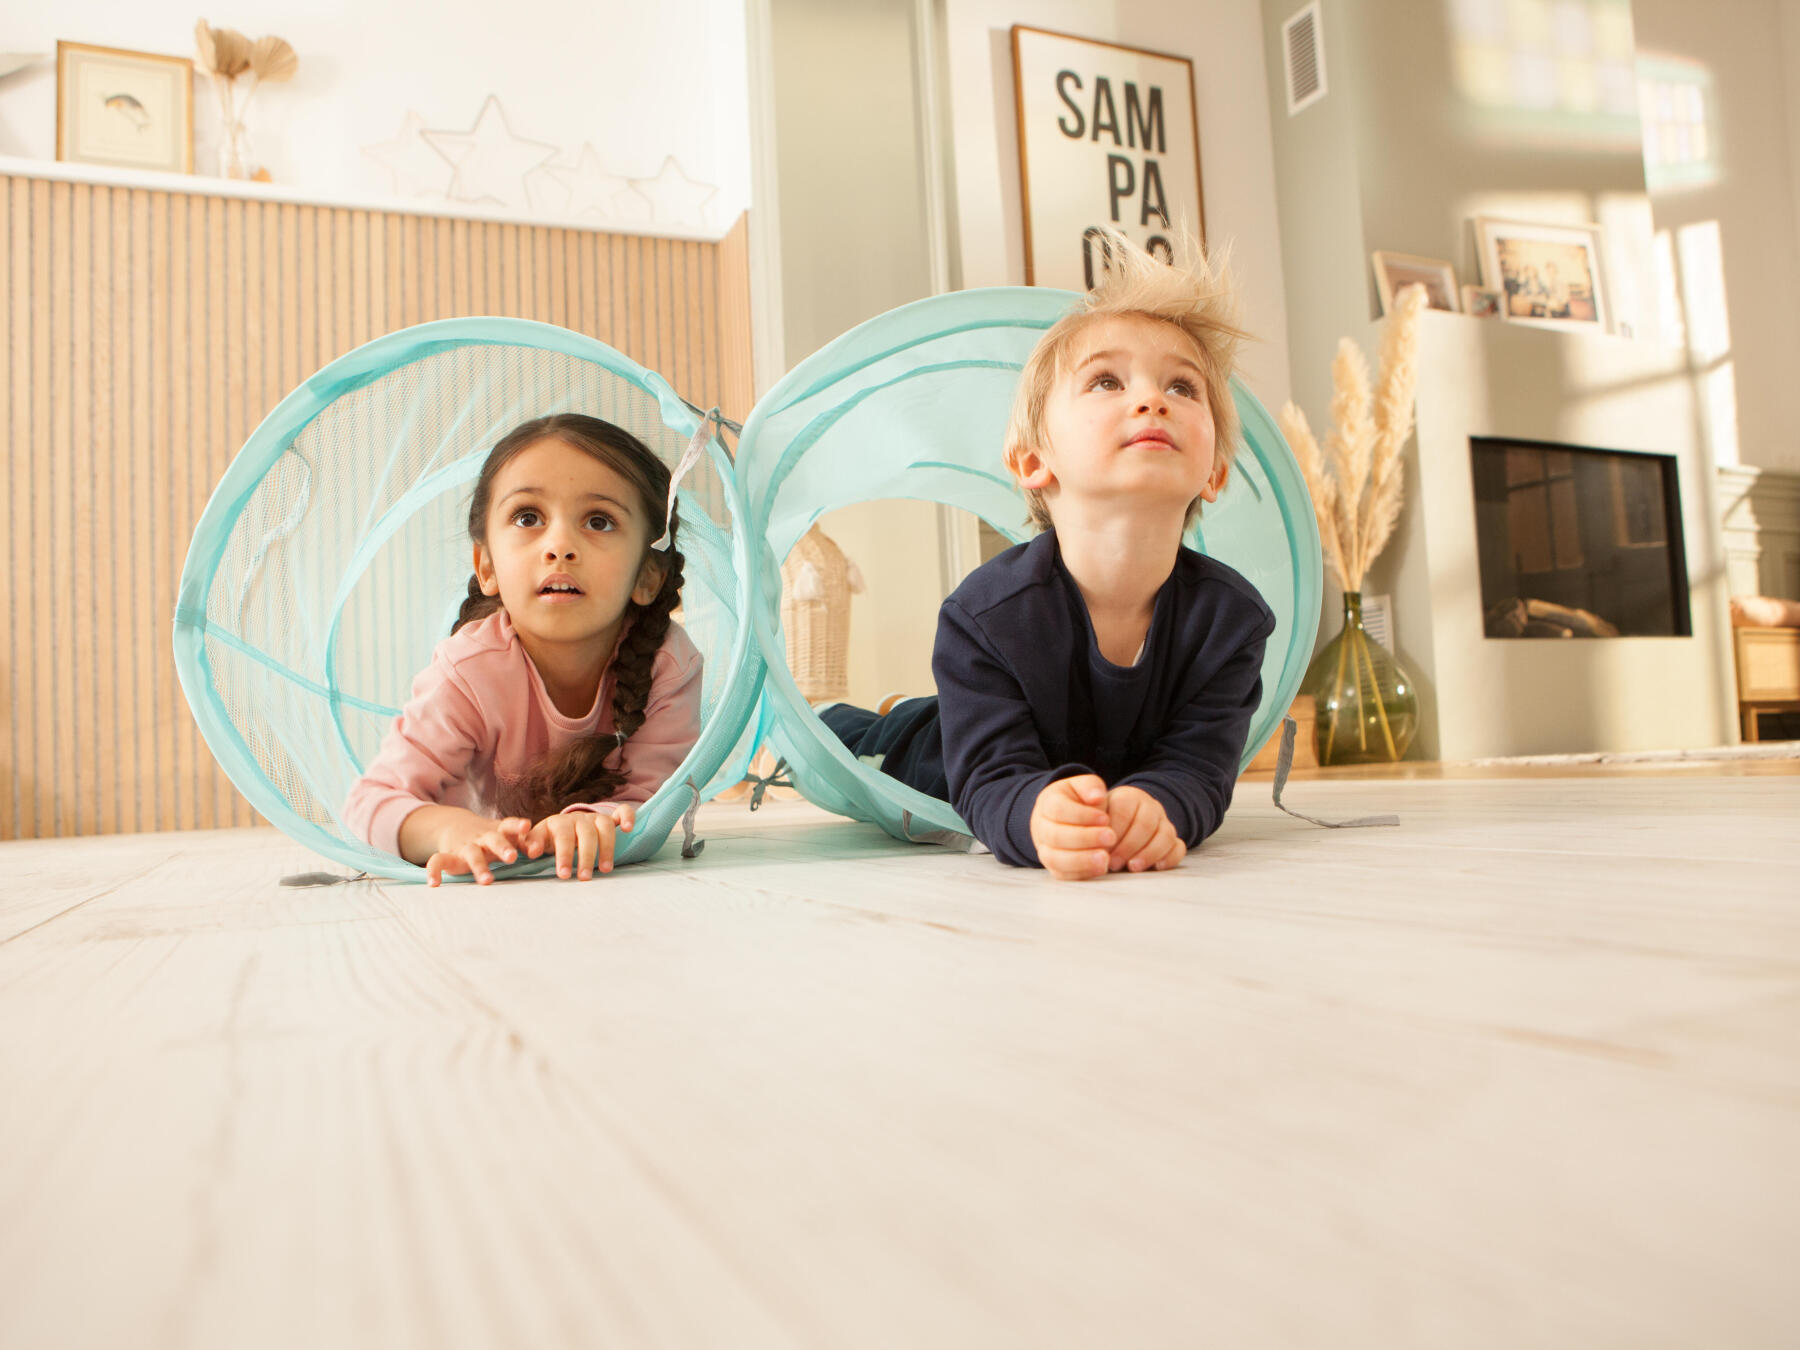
{"points": [[1575, 542]]}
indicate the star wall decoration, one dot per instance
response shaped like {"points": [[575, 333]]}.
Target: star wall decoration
{"points": [[416, 167], [490, 162], [591, 188], [676, 199]]}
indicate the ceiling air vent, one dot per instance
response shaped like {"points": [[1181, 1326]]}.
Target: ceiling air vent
{"points": [[1304, 44]]}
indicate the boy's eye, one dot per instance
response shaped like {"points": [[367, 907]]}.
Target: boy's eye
{"points": [[1105, 380]]}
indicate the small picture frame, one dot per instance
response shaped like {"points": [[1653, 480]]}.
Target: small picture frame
{"points": [[1481, 302], [1552, 276], [1395, 270], [130, 109]]}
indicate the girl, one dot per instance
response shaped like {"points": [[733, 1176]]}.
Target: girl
{"points": [[563, 694]]}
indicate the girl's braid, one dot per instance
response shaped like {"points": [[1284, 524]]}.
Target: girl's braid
{"points": [[631, 668]]}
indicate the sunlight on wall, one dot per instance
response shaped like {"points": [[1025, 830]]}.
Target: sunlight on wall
{"points": [[1681, 133], [1564, 65], [1699, 258]]}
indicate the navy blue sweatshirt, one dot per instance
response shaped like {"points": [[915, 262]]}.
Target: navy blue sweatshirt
{"points": [[1026, 697]]}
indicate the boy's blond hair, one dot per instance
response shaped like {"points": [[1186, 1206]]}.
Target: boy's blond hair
{"points": [[1198, 297]]}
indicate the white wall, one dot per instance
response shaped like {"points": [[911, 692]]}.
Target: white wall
{"points": [[1751, 48], [1223, 38], [637, 81]]}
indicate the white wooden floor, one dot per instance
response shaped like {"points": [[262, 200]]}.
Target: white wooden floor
{"points": [[1523, 1072]]}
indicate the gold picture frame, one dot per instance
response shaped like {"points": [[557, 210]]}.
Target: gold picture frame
{"points": [[1108, 135], [127, 109]]}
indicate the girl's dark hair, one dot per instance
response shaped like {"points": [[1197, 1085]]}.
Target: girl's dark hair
{"points": [[578, 772]]}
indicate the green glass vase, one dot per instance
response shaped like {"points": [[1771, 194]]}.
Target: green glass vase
{"points": [[1364, 705]]}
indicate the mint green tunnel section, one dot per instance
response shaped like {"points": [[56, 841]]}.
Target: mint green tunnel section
{"points": [[914, 404]]}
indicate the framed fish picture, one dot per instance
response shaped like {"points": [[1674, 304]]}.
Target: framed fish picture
{"points": [[131, 109]]}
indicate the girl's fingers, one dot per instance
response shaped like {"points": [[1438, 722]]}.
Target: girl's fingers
{"points": [[626, 816], [516, 830], [588, 831], [496, 843], [476, 855], [537, 840], [562, 829]]}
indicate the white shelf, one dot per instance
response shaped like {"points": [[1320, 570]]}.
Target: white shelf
{"points": [[205, 186]]}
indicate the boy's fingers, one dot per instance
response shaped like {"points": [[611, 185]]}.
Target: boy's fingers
{"points": [[1162, 852], [1088, 787], [1083, 837], [1068, 811], [1073, 864], [1135, 839]]}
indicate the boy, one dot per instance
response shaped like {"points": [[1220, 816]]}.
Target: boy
{"points": [[1095, 686]]}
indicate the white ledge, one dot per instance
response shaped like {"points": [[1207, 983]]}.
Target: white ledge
{"points": [[202, 185]]}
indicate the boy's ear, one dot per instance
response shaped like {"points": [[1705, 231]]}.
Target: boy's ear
{"points": [[649, 578], [1033, 469], [1216, 484], [484, 571]]}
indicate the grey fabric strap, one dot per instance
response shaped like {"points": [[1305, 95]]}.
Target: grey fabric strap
{"points": [[1285, 761], [760, 784], [690, 846], [950, 839]]}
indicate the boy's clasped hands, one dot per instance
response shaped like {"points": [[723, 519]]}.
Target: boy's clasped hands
{"points": [[583, 842], [1082, 829]]}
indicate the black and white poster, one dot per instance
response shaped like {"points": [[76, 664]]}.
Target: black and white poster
{"points": [[1107, 137]]}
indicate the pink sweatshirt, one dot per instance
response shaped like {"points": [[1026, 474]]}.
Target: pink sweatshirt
{"points": [[480, 713]]}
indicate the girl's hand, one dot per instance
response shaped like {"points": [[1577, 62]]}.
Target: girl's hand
{"points": [[467, 845], [1147, 838], [582, 839], [1070, 826]]}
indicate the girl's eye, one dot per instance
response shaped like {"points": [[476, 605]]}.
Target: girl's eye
{"points": [[526, 517], [600, 522], [1104, 380], [1185, 389]]}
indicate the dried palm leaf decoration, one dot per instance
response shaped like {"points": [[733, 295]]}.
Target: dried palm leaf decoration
{"points": [[1355, 481]]}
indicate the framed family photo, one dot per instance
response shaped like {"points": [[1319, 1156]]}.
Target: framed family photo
{"points": [[1396, 270], [131, 109], [1548, 275], [1107, 140]]}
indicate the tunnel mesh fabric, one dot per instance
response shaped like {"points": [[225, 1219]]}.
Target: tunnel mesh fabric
{"points": [[334, 554]]}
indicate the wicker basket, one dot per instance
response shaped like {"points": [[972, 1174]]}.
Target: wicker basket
{"points": [[817, 583]]}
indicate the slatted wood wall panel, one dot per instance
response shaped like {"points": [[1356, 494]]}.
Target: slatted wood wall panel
{"points": [[148, 333]]}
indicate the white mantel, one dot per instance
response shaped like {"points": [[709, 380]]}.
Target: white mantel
{"points": [[1484, 696]]}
